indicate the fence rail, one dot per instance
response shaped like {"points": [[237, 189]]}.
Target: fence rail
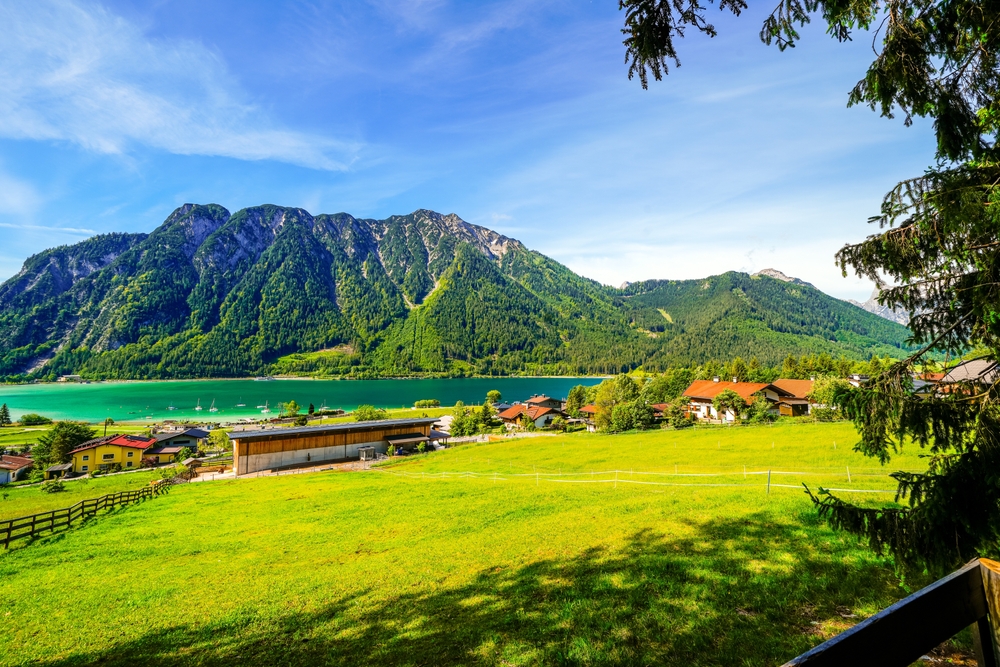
{"points": [[900, 634], [31, 526]]}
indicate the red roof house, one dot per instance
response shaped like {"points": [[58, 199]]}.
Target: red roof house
{"points": [[701, 393]]}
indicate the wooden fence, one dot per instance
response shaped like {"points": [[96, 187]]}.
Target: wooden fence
{"points": [[31, 526], [901, 634]]}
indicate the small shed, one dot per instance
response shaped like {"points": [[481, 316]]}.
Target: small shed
{"points": [[406, 442], [57, 471], [367, 454]]}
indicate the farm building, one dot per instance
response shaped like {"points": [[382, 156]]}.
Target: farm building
{"points": [[798, 403], [275, 448]]}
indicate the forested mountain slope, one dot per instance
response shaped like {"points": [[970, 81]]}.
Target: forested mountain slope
{"points": [[274, 289]]}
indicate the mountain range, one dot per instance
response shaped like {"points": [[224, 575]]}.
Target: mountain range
{"points": [[271, 289]]}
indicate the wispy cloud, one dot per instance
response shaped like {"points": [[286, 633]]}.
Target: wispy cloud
{"points": [[75, 72], [45, 228]]}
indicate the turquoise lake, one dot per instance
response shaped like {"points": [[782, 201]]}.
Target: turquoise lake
{"points": [[149, 401]]}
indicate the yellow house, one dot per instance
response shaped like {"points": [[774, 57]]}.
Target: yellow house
{"points": [[102, 453]]}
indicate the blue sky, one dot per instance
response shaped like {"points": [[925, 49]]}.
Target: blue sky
{"points": [[517, 115]]}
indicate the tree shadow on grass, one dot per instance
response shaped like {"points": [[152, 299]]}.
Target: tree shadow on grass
{"points": [[746, 592]]}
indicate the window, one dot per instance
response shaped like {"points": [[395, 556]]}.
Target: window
{"points": [[129, 464], [84, 468], [108, 457], [86, 457], [130, 455]]}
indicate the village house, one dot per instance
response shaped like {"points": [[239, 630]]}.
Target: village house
{"points": [[587, 414], [102, 453], [798, 403], [169, 445], [701, 393], [543, 401], [14, 468], [542, 416]]}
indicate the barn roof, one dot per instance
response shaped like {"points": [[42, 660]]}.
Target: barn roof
{"points": [[345, 427]]}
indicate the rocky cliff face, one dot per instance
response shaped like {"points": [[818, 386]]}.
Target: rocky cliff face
{"points": [[873, 306], [265, 280]]}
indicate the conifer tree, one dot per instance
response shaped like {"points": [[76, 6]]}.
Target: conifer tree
{"points": [[938, 246], [4, 415]]}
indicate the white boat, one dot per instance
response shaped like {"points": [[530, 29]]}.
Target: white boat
{"points": [[266, 409], [323, 407], [213, 408], [241, 404], [198, 407], [261, 406], [171, 407], [263, 378]]}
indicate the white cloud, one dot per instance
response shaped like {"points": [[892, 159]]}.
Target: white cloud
{"points": [[75, 72]]}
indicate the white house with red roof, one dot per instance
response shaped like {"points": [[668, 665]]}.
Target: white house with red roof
{"points": [[13, 468], [701, 393], [541, 416]]}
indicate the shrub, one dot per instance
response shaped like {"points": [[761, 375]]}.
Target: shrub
{"points": [[53, 486], [301, 420], [675, 416], [427, 403], [631, 415], [367, 413], [760, 411], [32, 419], [823, 414]]}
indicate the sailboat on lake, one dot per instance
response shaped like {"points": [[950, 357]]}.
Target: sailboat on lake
{"points": [[213, 408], [198, 407], [241, 404], [266, 409]]}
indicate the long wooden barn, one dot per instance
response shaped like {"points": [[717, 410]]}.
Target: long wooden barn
{"points": [[279, 447]]}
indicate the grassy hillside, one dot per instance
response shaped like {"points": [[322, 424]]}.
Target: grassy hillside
{"points": [[735, 314], [405, 569]]}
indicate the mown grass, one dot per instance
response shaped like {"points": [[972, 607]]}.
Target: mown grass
{"points": [[379, 568], [18, 501]]}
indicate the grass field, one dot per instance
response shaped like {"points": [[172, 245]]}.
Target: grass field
{"points": [[407, 566], [18, 501], [12, 436]]}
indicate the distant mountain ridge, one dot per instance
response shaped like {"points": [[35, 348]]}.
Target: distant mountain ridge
{"points": [[272, 289]]}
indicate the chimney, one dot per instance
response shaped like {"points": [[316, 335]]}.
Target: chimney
{"points": [[715, 379]]}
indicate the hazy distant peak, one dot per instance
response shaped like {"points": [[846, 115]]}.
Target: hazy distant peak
{"points": [[778, 275]]}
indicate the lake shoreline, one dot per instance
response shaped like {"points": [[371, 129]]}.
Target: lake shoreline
{"points": [[234, 399]]}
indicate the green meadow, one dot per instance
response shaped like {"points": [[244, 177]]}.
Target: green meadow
{"points": [[18, 501], [520, 552]]}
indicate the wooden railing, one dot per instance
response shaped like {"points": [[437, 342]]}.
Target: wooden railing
{"points": [[31, 526], [901, 634]]}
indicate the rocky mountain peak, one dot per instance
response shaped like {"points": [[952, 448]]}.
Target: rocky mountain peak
{"points": [[778, 275]]}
